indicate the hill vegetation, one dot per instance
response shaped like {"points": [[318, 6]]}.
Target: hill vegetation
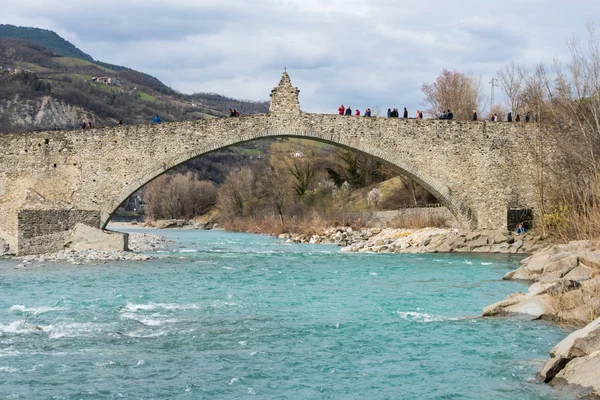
{"points": [[47, 83], [46, 38]]}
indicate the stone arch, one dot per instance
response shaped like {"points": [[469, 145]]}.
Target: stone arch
{"points": [[455, 204]]}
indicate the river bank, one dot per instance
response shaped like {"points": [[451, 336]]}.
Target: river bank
{"points": [[565, 289], [426, 240]]}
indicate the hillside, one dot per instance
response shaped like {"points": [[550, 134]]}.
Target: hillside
{"points": [[46, 38], [60, 86]]}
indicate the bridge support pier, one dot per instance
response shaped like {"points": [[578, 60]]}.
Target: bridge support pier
{"points": [[48, 230]]}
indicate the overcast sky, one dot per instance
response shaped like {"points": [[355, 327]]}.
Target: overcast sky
{"points": [[371, 53]]}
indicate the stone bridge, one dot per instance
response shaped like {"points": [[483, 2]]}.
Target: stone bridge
{"points": [[49, 181]]}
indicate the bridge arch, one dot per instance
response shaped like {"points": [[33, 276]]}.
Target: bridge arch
{"points": [[457, 206]]}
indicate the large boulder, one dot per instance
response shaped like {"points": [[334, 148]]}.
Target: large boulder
{"points": [[545, 264], [85, 237], [520, 306], [581, 376], [591, 259], [169, 223], [575, 362]]}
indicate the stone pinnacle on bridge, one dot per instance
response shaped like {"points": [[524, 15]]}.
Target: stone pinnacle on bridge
{"points": [[284, 98]]}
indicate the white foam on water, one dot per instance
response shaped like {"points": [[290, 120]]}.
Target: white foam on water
{"points": [[102, 365], [423, 317], [251, 391], [141, 362], [18, 327], [243, 343], [35, 311], [227, 268], [9, 352], [8, 369], [233, 380], [145, 334], [187, 251], [486, 263], [373, 274], [74, 329], [219, 304], [153, 306], [469, 262], [156, 321]]}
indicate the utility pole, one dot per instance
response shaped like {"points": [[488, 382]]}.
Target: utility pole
{"points": [[493, 83]]}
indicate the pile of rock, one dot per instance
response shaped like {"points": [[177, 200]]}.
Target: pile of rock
{"points": [[427, 240], [566, 289], [575, 362], [144, 242], [178, 223], [566, 285], [81, 257]]}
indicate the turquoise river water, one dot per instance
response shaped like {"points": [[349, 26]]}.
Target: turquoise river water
{"points": [[226, 315]]}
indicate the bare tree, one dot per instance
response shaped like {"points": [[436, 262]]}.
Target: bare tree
{"points": [[302, 170], [565, 106], [355, 168], [461, 93], [178, 196], [273, 189], [237, 194], [512, 79]]}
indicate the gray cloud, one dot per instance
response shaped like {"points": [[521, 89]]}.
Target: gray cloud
{"points": [[366, 54]]}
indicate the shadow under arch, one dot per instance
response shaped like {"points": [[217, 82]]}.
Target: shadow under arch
{"points": [[459, 209]]}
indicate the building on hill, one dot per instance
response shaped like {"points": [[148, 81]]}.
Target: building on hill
{"points": [[107, 80]]}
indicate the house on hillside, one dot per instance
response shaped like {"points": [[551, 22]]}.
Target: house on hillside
{"points": [[107, 80]]}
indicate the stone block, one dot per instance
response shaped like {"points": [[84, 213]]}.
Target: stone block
{"points": [[500, 248], [482, 249], [85, 237], [482, 241]]}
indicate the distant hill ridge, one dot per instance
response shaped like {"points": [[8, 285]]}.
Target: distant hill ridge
{"points": [[47, 38], [61, 92]]}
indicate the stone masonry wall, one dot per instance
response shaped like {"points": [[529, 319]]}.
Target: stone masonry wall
{"points": [[42, 231]]}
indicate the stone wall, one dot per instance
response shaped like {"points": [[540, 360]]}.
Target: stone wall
{"points": [[42, 231], [476, 169]]}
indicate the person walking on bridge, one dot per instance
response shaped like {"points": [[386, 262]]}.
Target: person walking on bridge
{"points": [[405, 113], [341, 109], [474, 115]]}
